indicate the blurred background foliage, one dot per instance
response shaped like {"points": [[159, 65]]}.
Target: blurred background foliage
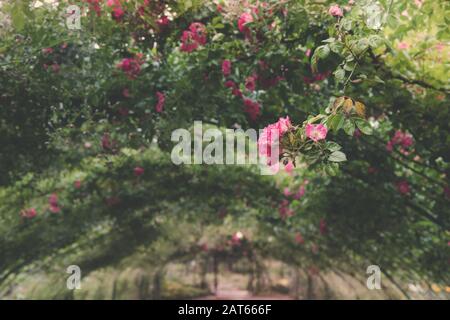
{"points": [[72, 124]]}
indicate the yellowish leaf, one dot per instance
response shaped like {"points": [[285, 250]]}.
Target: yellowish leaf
{"points": [[348, 105], [360, 109], [435, 288]]}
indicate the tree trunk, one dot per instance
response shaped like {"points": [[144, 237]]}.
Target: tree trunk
{"points": [[310, 292], [216, 273], [157, 284]]}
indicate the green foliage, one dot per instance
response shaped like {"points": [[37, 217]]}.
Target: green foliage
{"points": [[62, 95]]}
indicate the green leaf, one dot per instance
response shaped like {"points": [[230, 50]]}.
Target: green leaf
{"points": [[346, 24], [18, 16], [329, 40], [349, 127], [360, 46], [332, 169], [218, 37], [375, 41], [364, 126], [336, 47], [349, 66], [216, 20], [392, 22], [337, 156], [374, 16], [338, 122], [378, 79], [320, 52], [339, 74], [333, 146]]}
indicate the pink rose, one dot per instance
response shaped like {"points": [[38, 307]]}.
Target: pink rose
{"points": [[323, 226], [55, 209], [252, 108], [308, 52], [403, 45], [28, 213], [440, 46], [118, 13], [283, 125], [47, 51], [106, 141], [266, 140], [250, 83], [138, 171], [244, 19], [230, 84], [199, 32], [299, 238], [403, 187], [192, 38], [287, 192], [407, 141], [316, 132], [236, 238], [53, 199], [95, 6], [400, 138], [111, 3], [284, 210], [188, 42], [419, 3], [300, 193], [130, 66], [237, 92], [163, 22], [271, 136], [55, 67], [289, 167], [53, 202], [226, 67], [161, 100], [389, 146], [335, 11], [126, 93]]}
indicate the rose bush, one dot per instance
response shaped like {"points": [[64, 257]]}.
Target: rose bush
{"points": [[87, 115]]}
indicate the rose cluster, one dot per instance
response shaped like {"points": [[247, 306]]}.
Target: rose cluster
{"points": [[194, 37]]}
